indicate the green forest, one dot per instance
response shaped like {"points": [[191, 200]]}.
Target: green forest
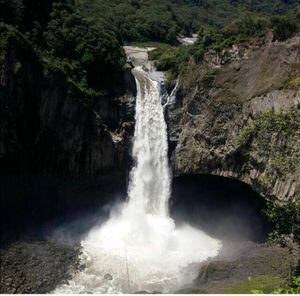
{"points": [[162, 21], [84, 38]]}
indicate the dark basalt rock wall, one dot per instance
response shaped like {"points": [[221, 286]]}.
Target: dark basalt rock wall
{"points": [[235, 115], [56, 142]]}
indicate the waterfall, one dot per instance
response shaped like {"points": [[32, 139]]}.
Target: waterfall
{"points": [[139, 248], [149, 189]]}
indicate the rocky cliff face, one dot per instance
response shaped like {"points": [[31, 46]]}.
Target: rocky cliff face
{"points": [[53, 134], [237, 115]]}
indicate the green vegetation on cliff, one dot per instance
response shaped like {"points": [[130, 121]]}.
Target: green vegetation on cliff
{"points": [[87, 53], [93, 52], [274, 137], [85, 36], [275, 134], [245, 28], [285, 221]]}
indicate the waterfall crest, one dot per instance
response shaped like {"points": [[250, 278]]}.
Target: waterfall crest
{"points": [[139, 248]]}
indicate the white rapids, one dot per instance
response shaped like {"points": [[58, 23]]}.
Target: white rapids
{"points": [[139, 248]]}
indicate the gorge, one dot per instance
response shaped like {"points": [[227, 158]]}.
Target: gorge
{"points": [[139, 248], [176, 171]]}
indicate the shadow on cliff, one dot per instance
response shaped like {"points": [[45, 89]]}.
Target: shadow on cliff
{"points": [[224, 208], [33, 207], [64, 152]]}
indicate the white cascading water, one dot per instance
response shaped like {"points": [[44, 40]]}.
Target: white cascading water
{"points": [[139, 248]]}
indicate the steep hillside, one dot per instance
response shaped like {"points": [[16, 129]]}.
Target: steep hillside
{"points": [[237, 115]]}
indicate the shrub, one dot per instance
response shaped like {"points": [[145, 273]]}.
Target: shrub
{"points": [[283, 27], [285, 219]]}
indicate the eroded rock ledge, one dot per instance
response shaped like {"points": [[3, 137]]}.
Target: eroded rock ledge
{"points": [[237, 115]]}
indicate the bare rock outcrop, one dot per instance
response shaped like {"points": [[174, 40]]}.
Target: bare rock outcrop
{"points": [[237, 115]]}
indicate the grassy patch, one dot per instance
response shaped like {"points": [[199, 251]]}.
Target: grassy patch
{"points": [[292, 288], [257, 284]]}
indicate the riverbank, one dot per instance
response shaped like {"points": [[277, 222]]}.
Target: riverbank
{"points": [[242, 267], [40, 265], [36, 266]]}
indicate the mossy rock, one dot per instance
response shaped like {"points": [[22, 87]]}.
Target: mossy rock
{"points": [[295, 82]]}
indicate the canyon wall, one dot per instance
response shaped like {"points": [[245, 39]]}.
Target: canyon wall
{"points": [[237, 115], [57, 139]]}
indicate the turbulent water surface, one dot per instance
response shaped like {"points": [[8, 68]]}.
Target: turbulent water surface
{"points": [[139, 248]]}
